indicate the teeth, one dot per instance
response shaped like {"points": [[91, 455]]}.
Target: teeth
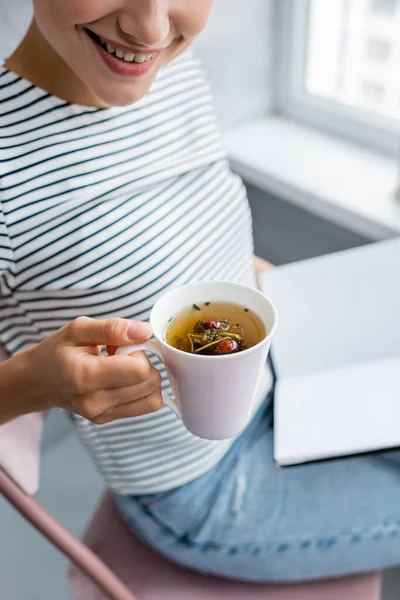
{"points": [[128, 56]]}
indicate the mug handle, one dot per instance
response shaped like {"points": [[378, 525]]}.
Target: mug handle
{"points": [[153, 347]]}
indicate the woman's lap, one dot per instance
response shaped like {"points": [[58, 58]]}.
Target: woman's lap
{"points": [[248, 519]]}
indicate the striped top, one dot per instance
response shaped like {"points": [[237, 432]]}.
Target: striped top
{"points": [[101, 212]]}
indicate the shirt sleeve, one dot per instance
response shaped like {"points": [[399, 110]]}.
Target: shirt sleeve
{"points": [[6, 257]]}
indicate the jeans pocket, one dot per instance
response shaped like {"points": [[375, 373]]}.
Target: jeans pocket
{"points": [[152, 500]]}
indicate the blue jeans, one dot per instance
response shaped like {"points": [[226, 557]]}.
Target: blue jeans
{"points": [[247, 519]]}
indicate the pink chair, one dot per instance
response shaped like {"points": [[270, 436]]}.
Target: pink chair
{"points": [[151, 577], [111, 562]]}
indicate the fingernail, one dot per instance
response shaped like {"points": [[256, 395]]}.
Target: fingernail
{"points": [[139, 329]]}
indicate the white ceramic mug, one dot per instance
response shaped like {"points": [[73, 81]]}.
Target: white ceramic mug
{"points": [[213, 395]]}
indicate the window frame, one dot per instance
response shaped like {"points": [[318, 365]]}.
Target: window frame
{"points": [[293, 101], [372, 1]]}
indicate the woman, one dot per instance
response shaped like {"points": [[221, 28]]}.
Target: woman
{"points": [[115, 188]]}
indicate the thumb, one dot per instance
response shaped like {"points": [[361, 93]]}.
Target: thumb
{"points": [[112, 332]]}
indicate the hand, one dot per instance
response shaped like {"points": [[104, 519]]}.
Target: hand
{"points": [[261, 265], [65, 370]]}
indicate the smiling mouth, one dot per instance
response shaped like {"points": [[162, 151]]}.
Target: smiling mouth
{"points": [[122, 54]]}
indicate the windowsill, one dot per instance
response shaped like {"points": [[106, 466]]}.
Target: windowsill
{"points": [[342, 183]]}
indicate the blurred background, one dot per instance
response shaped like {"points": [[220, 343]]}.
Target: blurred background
{"points": [[308, 97]]}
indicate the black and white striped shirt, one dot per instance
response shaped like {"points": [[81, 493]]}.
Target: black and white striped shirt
{"points": [[102, 211]]}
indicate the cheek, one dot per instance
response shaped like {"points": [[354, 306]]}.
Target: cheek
{"points": [[194, 18], [68, 13]]}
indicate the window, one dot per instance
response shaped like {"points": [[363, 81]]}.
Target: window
{"points": [[383, 7], [378, 50], [340, 68], [372, 93]]}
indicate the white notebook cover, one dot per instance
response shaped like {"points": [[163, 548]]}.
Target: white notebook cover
{"points": [[336, 353]]}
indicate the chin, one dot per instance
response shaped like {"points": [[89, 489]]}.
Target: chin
{"points": [[124, 95]]}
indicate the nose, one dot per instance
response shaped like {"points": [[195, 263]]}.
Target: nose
{"points": [[147, 21]]}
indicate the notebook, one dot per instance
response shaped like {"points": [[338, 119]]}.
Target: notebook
{"points": [[336, 354]]}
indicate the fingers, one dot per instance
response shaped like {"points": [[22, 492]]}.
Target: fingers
{"points": [[105, 372], [114, 332], [144, 406], [92, 404], [105, 388]]}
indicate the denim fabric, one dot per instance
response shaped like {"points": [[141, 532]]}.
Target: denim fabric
{"points": [[248, 519]]}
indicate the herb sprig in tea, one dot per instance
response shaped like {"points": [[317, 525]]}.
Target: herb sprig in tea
{"points": [[210, 336]]}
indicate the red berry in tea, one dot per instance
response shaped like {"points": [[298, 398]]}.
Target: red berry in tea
{"points": [[226, 347], [210, 324]]}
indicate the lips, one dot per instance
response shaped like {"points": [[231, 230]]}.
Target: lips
{"points": [[122, 60]]}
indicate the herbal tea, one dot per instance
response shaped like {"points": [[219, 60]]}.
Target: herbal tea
{"points": [[215, 328]]}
